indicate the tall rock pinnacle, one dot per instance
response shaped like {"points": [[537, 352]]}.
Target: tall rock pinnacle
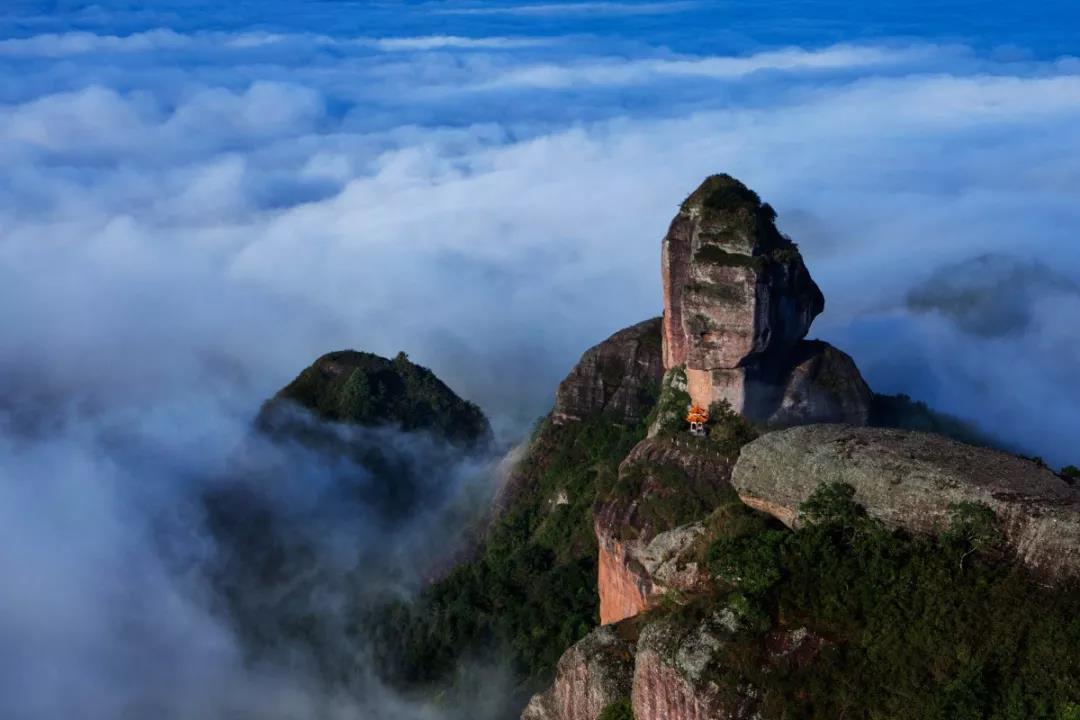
{"points": [[738, 301]]}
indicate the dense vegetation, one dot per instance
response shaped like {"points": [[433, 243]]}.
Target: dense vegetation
{"points": [[722, 197], [366, 389], [917, 628], [724, 193], [669, 413], [532, 593]]}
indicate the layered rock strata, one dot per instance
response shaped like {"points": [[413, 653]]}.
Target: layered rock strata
{"points": [[595, 672], [738, 301]]}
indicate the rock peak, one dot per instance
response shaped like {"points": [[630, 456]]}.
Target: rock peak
{"points": [[722, 192], [738, 302]]}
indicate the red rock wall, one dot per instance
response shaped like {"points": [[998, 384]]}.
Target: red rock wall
{"points": [[660, 693], [675, 272], [623, 593]]}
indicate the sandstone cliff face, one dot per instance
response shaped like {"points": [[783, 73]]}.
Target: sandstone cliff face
{"points": [[672, 678], [738, 300], [592, 674], [619, 377], [646, 529], [634, 574], [683, 666], [910, 480]]}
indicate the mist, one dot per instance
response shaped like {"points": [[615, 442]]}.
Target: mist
{"points": [[196, 203], [122, 602]]}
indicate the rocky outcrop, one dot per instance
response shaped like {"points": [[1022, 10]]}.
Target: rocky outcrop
{"points": [[738, 301], [672, 672], [685, 665], [618, 378], [634, 574], [911, 480], [645, 527], [689, 668], [592, 674], [822, 384]]}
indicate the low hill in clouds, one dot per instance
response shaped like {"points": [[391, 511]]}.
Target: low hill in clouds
{"points": [[365, 389]]}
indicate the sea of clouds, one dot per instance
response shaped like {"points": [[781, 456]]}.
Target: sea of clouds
{"points": [[196, 202]]}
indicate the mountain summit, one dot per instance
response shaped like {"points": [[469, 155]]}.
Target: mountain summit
{"points": [[738, 301], [712, 523]]}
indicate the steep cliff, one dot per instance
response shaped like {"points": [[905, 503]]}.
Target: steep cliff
{"points": [[595, 672], [738, 300], [618, 378], [616, 381], [740, 617], [643, 524], [822, 383]]}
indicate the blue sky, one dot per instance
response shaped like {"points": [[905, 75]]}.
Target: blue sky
{"points": [[197, 199]]}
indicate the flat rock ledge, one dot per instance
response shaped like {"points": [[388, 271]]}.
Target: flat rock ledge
{"points": [[910, 480]]}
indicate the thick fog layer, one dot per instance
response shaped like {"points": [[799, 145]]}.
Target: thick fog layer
{"points": [[112, 606], [196, 203]]}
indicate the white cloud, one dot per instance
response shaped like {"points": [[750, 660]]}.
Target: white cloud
{"points": [[57, 45], [60, 45], [576, 8], [439, 42], [315, 235], [616, 72]]}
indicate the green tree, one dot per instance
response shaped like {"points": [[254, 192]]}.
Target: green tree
{"points": [[832, 504], [618, 710], [1071, 473], [973, 527], [751, 562]]}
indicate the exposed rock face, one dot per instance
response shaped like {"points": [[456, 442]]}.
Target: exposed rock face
{"points": [[671, 678], [634, 574], [823, 385], [677, 667], [910, 480], [619, 378], [738, 300], [625, 587], [646, 531], [591, 675]]}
